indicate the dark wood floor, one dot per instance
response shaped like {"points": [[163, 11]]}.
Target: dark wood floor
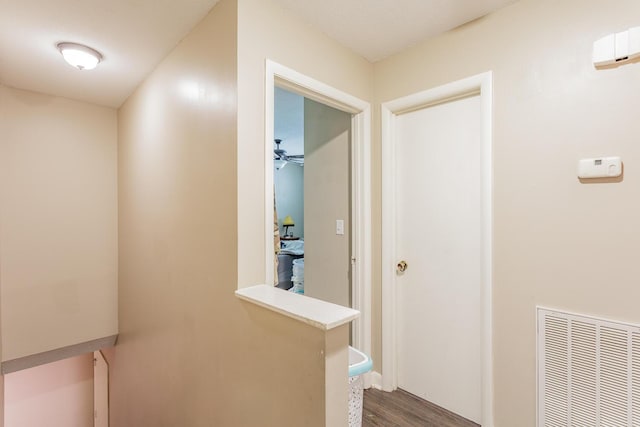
{"points": [[400, 408]]}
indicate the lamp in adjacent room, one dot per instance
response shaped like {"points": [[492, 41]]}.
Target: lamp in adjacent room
{"points": [[286, 223]]}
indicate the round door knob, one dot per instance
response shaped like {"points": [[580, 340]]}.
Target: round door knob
{"points": [[401, 267]]}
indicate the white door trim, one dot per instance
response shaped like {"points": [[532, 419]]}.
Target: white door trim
{"points": [[480, 84], [361, 183]]}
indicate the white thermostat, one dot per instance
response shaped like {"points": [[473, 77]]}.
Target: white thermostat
{"points": [[601, 167]]}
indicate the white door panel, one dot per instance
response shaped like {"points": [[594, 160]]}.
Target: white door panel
{"points": [[438, 226]]}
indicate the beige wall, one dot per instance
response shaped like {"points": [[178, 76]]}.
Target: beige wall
{"points": [[558, 243], [190, 353], [58, 394], [266, 30], [327, 187], [58, 222], [336, 374]]}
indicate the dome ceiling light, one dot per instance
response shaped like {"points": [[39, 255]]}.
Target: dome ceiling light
{"points": [[80, 56]]}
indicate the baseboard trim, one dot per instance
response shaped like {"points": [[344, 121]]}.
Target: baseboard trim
{"points": [[376, 380]]}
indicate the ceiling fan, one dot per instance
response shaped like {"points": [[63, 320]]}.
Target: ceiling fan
{"points": [[282, 158]]}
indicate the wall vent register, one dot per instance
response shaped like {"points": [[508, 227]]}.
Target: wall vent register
{"points": [[588, 371]]}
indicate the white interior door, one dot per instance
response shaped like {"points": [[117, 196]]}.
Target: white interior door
{"points": [[439, 235]]}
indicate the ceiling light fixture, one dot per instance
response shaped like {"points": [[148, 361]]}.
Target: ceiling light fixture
{"points": [[80, 56]]}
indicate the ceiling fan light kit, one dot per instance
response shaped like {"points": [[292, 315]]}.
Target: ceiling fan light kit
{"points": [[281, 158]]}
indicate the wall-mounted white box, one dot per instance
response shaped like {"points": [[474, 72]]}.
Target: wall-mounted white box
{"points": [[600, 167], [617, 48]]}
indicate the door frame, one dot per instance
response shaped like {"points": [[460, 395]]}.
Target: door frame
{"points": [[289, 79], [481, 85]]}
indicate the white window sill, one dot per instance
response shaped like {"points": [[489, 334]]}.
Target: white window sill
{"points": [[321, 314]]}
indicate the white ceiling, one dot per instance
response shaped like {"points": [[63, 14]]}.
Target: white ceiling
{"points": [[134, 35], [379, 28]]}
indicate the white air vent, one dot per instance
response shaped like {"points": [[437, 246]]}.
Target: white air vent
{"points": [[588, 371]]}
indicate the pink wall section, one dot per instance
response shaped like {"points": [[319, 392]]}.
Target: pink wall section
{"points": [[58, 394]]}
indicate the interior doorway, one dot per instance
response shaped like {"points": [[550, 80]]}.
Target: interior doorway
{"points": [[437, 246], [438, 237], [312, 176], [360, 201]]}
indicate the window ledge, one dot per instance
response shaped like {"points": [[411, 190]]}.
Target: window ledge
{"points": [[321, 314]]}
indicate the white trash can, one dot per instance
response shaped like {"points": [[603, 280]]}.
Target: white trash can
{"points": [[359, 364]]}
